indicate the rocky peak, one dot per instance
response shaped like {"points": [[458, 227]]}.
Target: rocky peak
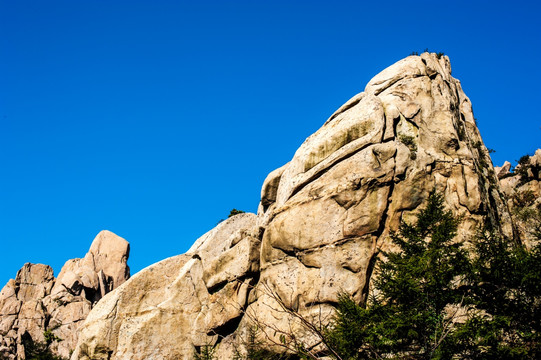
{"points": [[35, 301], [372, 164], [322, 219], [102, 269]]}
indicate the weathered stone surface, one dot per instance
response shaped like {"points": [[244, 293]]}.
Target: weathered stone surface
{"points": [[321, 221], [169, 308], [371, 165], [522, 189], [34, 281], [35, 301], [503, 170]]}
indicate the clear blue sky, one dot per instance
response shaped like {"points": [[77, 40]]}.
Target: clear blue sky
{"points": [[153, 119]]}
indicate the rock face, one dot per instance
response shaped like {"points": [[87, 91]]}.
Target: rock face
{"points": [[322, 219], [371, 165], [35, 301], [522, 189], [182, 302]]}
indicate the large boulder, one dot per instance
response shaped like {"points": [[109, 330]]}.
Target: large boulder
{"points": [[36, 302]]}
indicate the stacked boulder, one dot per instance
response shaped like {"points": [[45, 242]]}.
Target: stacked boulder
{"points": [[35, 304]]}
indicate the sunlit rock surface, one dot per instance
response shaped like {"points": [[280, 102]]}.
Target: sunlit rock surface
{"points": [[322, 219], [35, 301]]}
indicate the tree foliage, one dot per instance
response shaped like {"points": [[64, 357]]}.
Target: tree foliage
{"points": [[506, 291], [234, 212], [435, 299], [35, 350], [408, 314]]}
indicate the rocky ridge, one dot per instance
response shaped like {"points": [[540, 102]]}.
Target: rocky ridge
{"points": [[35, 302], [322, 219]]}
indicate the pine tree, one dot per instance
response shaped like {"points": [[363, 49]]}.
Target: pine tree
{"points": [[506, 294], [434, 299], [417, 294]]}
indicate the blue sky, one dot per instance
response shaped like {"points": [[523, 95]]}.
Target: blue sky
{"points": [[153, 119]]}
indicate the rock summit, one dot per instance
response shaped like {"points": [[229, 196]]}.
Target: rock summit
{"points": [[322, 219]]}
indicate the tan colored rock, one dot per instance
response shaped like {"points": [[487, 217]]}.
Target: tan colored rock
{"points": [[345, 186], [523, 195], [108, 254], [21, 307], [535, 160], [9, 303], [34, 281], [357, 127], [35, 301], [270, 187], [169, 308], [322, 219]]}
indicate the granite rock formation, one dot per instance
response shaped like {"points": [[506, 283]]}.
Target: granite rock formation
{"points": [[371, 165], [182, 302], [522, 189], [35, 302], [322, 219]]}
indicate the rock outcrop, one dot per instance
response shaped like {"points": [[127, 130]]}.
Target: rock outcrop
{"points": [[322, 219], [36, 302], [182, 302], [522, 189], [371, 165]]}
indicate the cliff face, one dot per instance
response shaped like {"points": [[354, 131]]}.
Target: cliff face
{"points": [[321, 221], [372, 164], [35, 301], [522, 190]]}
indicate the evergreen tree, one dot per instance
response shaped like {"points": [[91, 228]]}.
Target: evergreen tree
{"points": [[506, 296], [416, 294], [434, 299]]}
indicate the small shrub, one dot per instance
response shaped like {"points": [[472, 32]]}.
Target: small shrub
{"points": [[409, 141], [50, 337], [205, 352], [439, 55], [483, 164], [255, 350], [524, 198], [35, 350], [524, 160], [235, 212], [523, 165]]}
